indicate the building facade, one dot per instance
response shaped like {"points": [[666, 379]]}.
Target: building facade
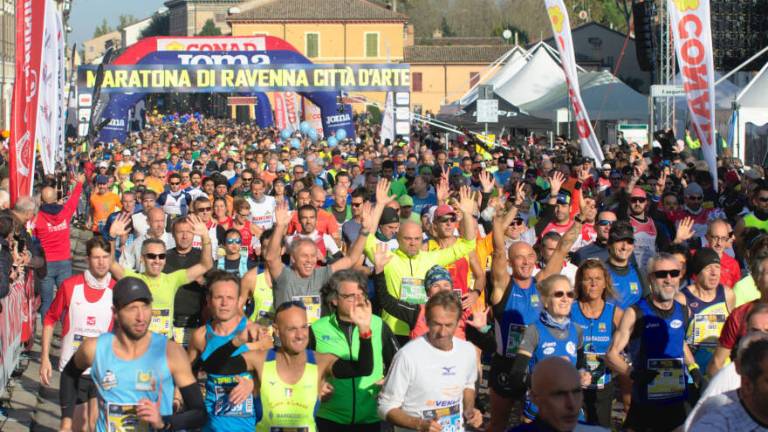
{"points": [[95, 48], [189, 16]]}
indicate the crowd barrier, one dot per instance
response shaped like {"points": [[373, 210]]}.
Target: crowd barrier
{"points": [[17, 325]]}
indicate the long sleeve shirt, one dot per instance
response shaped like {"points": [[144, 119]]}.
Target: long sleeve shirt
{"points": [[52, 227]]}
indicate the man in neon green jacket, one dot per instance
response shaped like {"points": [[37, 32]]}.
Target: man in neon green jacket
{"points": [[406, 270]]}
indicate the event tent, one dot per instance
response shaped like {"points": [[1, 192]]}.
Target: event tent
{"points": [[540, 74], [510, 116], [753, 107], [513, 61]]}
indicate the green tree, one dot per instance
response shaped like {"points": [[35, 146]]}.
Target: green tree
{"points": [[522, 35], [102, 29], [126, 20], [445, 29], [159, 26], [209, 29]]}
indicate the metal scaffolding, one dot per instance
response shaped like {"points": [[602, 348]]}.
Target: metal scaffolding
{"points": [[665, 107]]}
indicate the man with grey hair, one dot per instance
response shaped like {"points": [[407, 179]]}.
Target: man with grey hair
{"points": [[728, 378], [654, 328], [335, 334]]}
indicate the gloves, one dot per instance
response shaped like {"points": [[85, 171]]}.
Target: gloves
{"points": [[643, 376], [698, 379]]}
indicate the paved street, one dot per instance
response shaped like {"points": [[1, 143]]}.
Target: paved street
{"points": [[32, 406]]}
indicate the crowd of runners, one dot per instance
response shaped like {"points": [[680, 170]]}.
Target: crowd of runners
{"points": [[237, 280]]}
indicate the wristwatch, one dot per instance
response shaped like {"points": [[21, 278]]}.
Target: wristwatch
{"points": [[578, 219]]}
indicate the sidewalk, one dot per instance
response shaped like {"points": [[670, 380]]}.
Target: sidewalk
{"points": [[32, 406]]}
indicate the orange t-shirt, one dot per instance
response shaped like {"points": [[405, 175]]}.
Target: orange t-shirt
{"points": [[102, 206]]}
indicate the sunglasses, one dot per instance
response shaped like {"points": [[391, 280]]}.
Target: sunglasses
{"points": [[354, 204], [446, 220], [517, 222], [233, 241], [637, 200], [695, 198], [763, 199], [247, 179], [663, 274], [174, 183], [561, 294], [604, 222], [152, 256], [204, 209], [245, 214]]}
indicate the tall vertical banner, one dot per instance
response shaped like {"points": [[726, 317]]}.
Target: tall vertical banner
{"points": [[281, 114], [690, 22], [61, 54], [30, 19], [287, 108], [561, 27], [51, 91], [388, 119]]}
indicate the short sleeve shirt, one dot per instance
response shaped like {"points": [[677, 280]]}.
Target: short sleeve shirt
{"points": [[735, 326], [289, 285], [163, 287]]}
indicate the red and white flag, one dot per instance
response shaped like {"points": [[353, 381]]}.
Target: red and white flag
{"points": [[314, 116], [287, 107], [690, 22], [30, 19], [561, 27]]}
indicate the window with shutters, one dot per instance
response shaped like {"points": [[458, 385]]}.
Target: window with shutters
{"points": [[474, 78], [416, 81], [312, 45], [371, 45]]}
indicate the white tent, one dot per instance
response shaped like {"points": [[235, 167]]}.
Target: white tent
{"points": [[515, 59], [605, 97], [538, 76], [753, 107]]}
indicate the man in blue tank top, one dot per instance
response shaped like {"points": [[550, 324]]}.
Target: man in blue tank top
{"points": [[627, 282], [134, 370], [228, 397], [654, 331]]}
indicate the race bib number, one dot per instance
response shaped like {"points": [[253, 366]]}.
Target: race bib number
{"points": [[222, 407], [707, 328], [449, 418], [77, 340], [595, 365], [670, 382], [123, 418], [412, 290], [161, 321], [514, 338], [312, 303]]}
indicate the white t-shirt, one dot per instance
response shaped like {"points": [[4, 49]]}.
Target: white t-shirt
{"points": [[429, 383], [725, 412], [263, 213], [724, 381]]}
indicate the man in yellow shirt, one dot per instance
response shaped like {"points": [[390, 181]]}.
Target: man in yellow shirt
{"points": [[163, 286]]}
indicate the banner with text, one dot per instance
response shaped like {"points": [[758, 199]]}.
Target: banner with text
{"points": [[247, 78], [47, 138], [30, 18], [561, 27], [690, 22]]}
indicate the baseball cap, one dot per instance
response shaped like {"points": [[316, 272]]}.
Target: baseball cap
{"points": [[703, 258], [638, 192], [405, 201], [694, 189], [389, 216], [128, 290], [126, 152], [444, 210], [102, 179], [621, 230], [103, 164], [337, 160], [606, 166], [563, 198]]}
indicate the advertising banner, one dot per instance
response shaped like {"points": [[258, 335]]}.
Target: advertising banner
{"points": [[30, 19], [561, 28], [690, 23], [48, 125], [388, 120], [313, 115], [202, 78]]}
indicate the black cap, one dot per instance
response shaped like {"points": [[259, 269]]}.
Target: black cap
{"points": [[128, 290], [703, 258], [621, 230], [389, 216]]}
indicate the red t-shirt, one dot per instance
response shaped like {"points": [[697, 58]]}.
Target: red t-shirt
{"points": [[63, 299], [53, 230], [326, 223], [735, 326], [730, 273]]}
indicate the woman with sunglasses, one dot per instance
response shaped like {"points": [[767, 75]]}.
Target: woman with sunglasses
{"points": [[598, 316], [552, 334]]}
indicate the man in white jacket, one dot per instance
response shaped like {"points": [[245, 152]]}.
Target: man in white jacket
{"points": [[431, 383]]}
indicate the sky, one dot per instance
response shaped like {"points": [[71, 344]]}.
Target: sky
{"points": [[86, 15]]}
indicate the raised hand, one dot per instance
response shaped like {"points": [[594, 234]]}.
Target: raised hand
{"points": [[661, 183], [282, 214], [382, 192], [381, 257], [366, 217], [361, 315], [466, 203], [519, 193], [119, 226], [443, 189], [198, 226], [479, 319], [556, 182], [81, 178], [487, 181], [684, 230]]}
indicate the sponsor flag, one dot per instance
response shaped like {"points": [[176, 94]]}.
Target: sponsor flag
{"points": [[281, 115], [48, 123], [561, 28], [313, 115], [388, 119], [30, 19], [690, 22]]}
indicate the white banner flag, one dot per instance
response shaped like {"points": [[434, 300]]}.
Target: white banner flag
{"points": [[690, 22], [314, 116], [561, 27], [388, 119], [48, 115], [62, 57], [281, 116]]}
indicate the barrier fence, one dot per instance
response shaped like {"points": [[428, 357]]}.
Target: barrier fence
{"points": [[17, 324]]}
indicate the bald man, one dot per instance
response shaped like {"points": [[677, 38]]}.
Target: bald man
{"points": [[131, 254], [52, 228], [556, 390]]}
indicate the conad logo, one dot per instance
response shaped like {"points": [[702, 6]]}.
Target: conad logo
{"points": [[213, 44]]}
